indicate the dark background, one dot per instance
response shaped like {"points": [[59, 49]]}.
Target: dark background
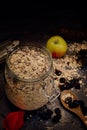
{"points": [[35, 17]]}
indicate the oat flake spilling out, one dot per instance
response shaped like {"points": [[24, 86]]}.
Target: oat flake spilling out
{"points": [[68, 65]]}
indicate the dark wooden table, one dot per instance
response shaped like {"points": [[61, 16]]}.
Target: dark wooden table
{"points": [[68, 120]]}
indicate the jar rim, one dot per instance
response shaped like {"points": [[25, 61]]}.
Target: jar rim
{"points": [[39, 78]]}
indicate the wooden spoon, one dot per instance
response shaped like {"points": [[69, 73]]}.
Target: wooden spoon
{"points": [[75, 110]]}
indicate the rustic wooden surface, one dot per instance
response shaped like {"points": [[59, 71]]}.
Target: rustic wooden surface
{"points": [[68, 120]]}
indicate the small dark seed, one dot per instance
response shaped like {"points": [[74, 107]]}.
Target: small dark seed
{"points": [[62, 80], [68, 85], [56, 118], [45, 115], [75, 83], [71, 105], [57, 111], [77, 86], [58, 72], [49, 112], [68, 99], [72, 82], [62, 87], [75, 103]]}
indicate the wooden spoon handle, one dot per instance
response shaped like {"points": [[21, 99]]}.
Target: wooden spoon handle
{"points": [[83, 118]]}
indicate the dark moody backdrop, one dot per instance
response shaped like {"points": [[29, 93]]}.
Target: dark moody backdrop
{"points": [[16, 18]]}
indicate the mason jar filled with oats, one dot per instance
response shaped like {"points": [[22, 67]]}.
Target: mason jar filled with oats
{"points": [[29, 77]]}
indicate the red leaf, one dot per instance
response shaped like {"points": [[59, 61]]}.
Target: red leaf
{"points": [[14, 121]]}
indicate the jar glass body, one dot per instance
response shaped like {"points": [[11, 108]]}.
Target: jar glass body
{"points": [[30, 94]]}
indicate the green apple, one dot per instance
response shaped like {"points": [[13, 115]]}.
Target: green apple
{"points": [[57, 46]]}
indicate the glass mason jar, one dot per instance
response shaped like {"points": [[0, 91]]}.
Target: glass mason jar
{"points": [[29, 77]]}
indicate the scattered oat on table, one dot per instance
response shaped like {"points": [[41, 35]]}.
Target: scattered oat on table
{"points": [[69, 67]]}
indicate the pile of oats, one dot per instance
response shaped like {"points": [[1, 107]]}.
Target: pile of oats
{"points": [[28, 63]]}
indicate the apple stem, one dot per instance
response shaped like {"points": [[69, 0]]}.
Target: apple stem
{"points": [[56, 42]]}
